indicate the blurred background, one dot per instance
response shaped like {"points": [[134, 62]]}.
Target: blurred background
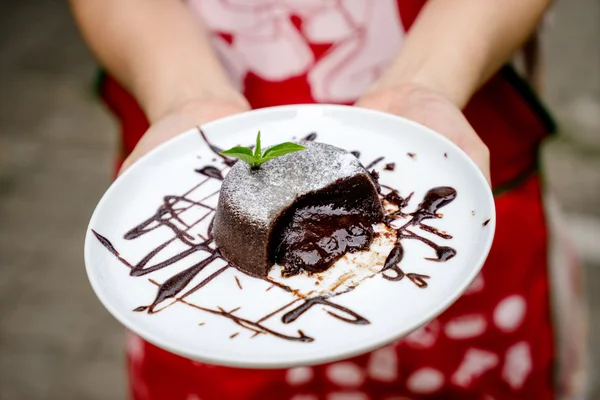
{"points": [[56, 158]]}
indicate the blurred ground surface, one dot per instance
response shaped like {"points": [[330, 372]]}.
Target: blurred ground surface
{"points": [[56, 143]]}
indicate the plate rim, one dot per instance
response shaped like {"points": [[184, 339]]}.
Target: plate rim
{"points": [[384, 340]]}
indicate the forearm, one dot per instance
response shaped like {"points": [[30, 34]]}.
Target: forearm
{"points": [[156, 49], [455, 46]]}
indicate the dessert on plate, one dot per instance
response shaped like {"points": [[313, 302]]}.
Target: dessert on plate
{"points": [[302, 211], [312, 209]]}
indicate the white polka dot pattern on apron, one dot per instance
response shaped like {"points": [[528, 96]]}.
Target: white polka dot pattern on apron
{"points": [[345, 374], [383, 365], [425, 337], [299, 375], [476, 286], [475, 363], [425, 380], [347, 396], [465, 327], [517, 365], [509, 313]]}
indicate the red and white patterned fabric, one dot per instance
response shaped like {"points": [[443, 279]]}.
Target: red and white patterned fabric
{"points": [[496, 342]]}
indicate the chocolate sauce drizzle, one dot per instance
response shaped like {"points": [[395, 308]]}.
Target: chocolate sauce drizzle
{"points": [[310, 137], [434, 199], [211, 172], [175, 289], [374, 162], [293, 315], [237, 280]]}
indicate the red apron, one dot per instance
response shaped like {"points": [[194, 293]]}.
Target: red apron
{"points": [[495, 342]]}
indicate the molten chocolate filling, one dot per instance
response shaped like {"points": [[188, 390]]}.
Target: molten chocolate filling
{"points": [[319, 229]]}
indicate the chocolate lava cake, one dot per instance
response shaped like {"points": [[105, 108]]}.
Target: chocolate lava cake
{"points": [[303, 211]]}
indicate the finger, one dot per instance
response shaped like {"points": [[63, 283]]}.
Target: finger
{"points": [[481, 157], [484, 165]]}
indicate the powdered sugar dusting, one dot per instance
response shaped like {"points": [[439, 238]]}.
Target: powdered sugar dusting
{"points": [[262, 194]]}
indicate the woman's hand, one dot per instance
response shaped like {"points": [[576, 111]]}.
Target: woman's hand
{"points": [[162, 54], [449, 52], [433, 110], [181, 119]]}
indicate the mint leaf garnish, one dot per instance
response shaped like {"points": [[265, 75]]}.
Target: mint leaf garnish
{"points": [[257, 158], [257, 148], [241, 153], [280, 150]]}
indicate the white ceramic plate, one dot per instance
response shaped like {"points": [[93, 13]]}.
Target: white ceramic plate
{"points": [[233, 319]]}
